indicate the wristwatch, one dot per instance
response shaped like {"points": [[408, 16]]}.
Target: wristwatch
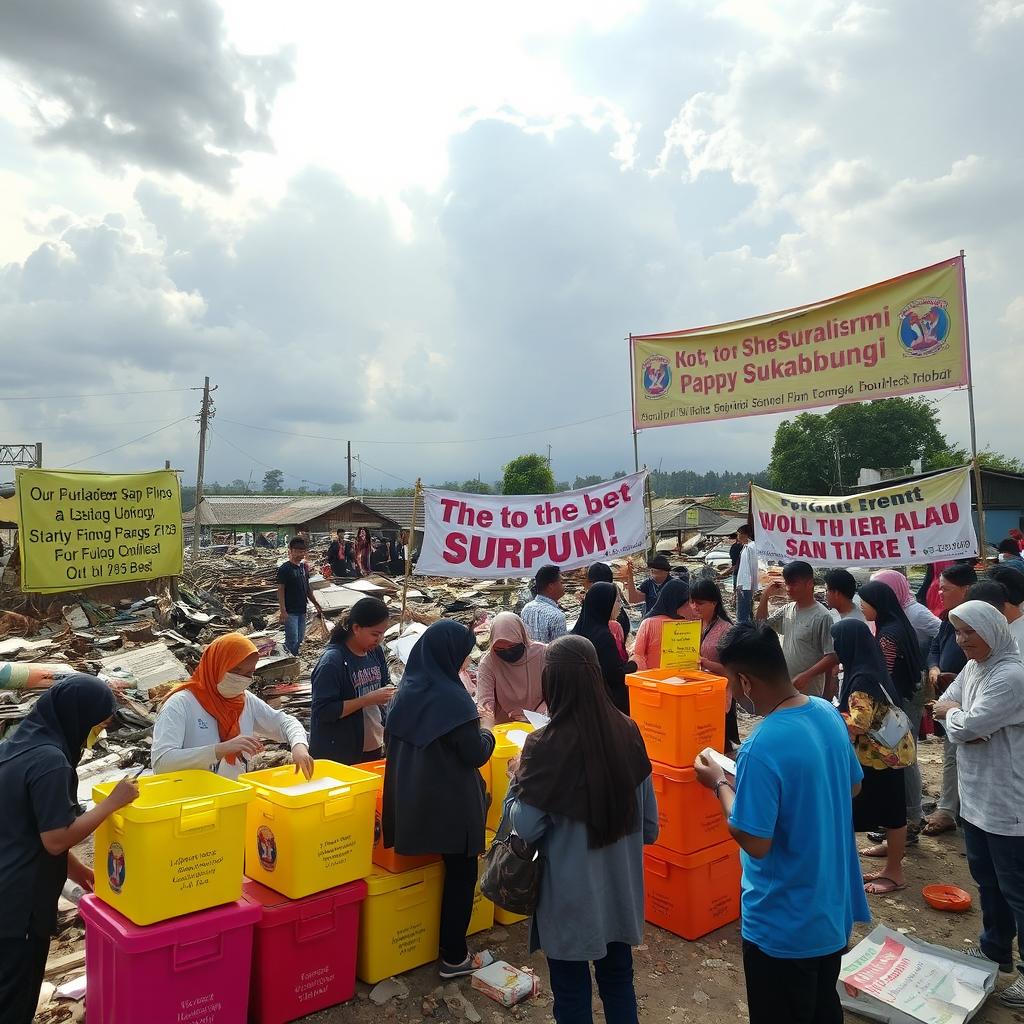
{"points": [[723, 782]]}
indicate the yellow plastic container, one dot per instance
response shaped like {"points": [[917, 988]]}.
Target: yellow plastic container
{"points": [[483, 908], [509, 740], [400, 922], [177, 849], [501, 916], [305, 837]]}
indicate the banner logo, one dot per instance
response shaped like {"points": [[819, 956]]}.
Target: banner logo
{"points": [[924, 326], [657, 376]]}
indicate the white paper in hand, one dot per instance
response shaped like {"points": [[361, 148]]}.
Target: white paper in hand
{"points": [[536, 719], [725, 763]]}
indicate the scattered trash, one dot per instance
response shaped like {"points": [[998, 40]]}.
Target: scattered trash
{"points": [[388, 989], [506, 984]]}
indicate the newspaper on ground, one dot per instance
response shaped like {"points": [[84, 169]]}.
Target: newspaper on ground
{"points": [[891, 977]]}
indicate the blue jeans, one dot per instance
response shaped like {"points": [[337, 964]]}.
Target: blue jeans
{"points": [[997, 865], [744, 606], [294, 633], [570, 986]]}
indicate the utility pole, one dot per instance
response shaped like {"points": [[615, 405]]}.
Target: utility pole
{"points": [[350, 469], [204, 421], [549, 456]]}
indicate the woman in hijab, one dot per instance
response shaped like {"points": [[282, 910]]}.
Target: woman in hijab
{"points": [[213, 722], [983, 713], [434, 797], [601, 572], [599, 608], [583, 795], [673, 603], [865, 698], [42, 821], [926, 625], [715, 623], [509, 679], [896, 637]]}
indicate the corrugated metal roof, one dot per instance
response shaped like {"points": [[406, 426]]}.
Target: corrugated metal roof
{"points": [[399, 509], [729, 527], [278, 510]]}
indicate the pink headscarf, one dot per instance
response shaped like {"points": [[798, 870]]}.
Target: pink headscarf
{"points": [[897, 583]]}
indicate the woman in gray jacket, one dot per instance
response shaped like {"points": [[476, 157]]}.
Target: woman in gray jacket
{"points": [[583, 795]]}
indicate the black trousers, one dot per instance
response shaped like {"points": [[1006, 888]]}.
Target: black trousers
{"points": [[460, 877], [22, 967], [794, 991]]}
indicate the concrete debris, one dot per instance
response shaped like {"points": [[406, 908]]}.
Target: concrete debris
{"points": [[390, 988]]}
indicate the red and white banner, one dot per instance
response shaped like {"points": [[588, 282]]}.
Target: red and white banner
{"points": [[928, 520], [481, 536]]}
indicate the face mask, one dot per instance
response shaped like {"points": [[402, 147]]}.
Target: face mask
{"points": [[511, 654], [233, 685], [94, 735]]}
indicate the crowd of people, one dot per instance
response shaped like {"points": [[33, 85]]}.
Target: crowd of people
{"points": [[839, 693]]}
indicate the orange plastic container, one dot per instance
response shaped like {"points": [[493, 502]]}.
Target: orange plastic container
{"points": [[690, 816], [679, 712], [387, 858], [692, 894]]}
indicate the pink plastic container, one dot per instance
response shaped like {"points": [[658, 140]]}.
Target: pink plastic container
{"points": [[304, 951], [188, 970]]}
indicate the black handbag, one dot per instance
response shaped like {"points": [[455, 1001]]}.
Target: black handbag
{"points": [[512, 873]]}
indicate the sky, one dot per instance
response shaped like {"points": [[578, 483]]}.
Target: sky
{"points": [[429, 228]]}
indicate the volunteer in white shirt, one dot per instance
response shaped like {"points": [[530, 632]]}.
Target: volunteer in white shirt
{"points": [[214, 723], [746, 576]]}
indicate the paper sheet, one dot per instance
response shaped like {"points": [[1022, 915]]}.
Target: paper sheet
{"points": [[312, 786], [536, 719]]}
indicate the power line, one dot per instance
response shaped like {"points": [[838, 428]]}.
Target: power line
{"points": [[102, 394], [266, 465], [474, 440], [134, 440], [400, 479]]}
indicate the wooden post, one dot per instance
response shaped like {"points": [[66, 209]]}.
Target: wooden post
{"points": [[408, 551], [349, 487], [979, 498], [204, 420]]}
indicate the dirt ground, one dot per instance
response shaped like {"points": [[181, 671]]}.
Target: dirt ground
{"points": [[677, 981]]}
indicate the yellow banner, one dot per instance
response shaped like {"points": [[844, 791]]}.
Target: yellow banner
{"points": [[680, 644], [899, 337], [79, 530]]}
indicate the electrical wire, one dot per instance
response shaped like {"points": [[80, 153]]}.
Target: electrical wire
{"points": [[134, 440], [260, 462], [103, 394]]}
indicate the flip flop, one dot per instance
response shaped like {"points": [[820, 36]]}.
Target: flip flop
{"points": [[891, 886], [934, 828]]}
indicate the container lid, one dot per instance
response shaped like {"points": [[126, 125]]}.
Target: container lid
{"points": [[672, 773], [509, 738], [709, 854], [284, 909], [675, 681], [168, 796], [381, 881], [330, 780], [133, 938]]}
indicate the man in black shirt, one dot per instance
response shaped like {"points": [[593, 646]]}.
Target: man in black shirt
{"points": [[735, 550], [293, 593], [337, 557]]}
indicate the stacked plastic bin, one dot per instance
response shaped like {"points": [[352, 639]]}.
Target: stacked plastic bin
{"points": [[308, 852], [692, 875], [167, 939]]}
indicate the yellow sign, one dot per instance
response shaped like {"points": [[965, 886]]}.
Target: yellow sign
{"points": [[79, 530], [899, 337], [680, 644]]}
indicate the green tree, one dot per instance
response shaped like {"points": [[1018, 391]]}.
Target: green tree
{"points": [[824, 453], [528, 474], [587, 481], [273, 481], [988, 459]]}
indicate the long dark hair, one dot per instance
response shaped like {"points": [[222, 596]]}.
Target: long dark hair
{"points": [[708, 590], [367, 611], [588, 761], [363, 535]]}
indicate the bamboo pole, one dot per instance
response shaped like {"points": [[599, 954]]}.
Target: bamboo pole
{"points": [[416, 497], [979, 497]]}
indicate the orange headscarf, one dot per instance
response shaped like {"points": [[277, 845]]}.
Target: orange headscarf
{"points": [[224, 654]]}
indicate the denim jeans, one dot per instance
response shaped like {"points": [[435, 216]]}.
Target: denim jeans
{"points": [[744, 606], [294, 633], [997, 865], [571, 988]]}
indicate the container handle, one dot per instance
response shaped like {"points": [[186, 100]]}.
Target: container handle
{"points": [[340, 791], [195, 805], [117, 821], [657, 867], [343, 805], [411, 896], [309, 928], [191, 954], [198, 815], [652, 700]]}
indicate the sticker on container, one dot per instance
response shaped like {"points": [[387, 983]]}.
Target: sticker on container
{"points": [[266, 847], [115, 867], [376, 830]]}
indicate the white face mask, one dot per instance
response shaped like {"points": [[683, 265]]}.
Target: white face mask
{"points": [[233, 685]]}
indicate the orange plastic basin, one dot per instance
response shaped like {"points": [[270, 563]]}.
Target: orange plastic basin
{"points": [[947, 897]]}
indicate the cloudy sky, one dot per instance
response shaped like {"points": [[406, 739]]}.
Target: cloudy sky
{"points": [[427, 227]]}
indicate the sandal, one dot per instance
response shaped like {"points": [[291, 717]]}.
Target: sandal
{"points": [[936, 828], [888, 886], [880, 850]]}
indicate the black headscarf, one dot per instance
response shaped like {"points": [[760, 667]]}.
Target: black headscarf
{"points": [[863, 663], [63, 717], [673, 595], [601, 572], [593, 626], [891, 621], [431, 699], [588, 760]]}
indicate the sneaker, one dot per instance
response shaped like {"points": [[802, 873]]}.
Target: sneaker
{"points": [[473, 963], [1013, 995], [913, 836], [975, 951]]}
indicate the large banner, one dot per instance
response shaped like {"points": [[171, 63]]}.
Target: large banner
{"points": [[492, 537], [899, 337], [80, 529], [927, 521]]}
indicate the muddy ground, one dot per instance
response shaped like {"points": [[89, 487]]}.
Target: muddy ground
{"points": [[677, 981]]}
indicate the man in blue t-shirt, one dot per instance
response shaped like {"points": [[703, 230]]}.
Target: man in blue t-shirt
{"points": [[790, 810]]}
